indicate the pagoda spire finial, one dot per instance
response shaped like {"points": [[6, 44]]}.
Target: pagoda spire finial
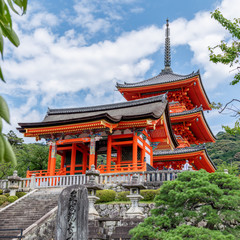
{"points": [[167, 55]]}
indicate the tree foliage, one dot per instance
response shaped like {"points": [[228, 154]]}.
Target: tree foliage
{"points": [[225, 152], [199, 199], [32, 156], [229, 55], [229, 52], [6, 31]]}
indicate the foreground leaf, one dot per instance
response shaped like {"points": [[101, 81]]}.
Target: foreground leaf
{"points": [[4, 111], [9, 155], [2, 148]]}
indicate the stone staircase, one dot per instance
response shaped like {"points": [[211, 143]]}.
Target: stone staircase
{"points": [[27, 211]]}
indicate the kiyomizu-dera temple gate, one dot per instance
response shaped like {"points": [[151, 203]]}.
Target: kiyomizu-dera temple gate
{"points": [[115, 138]]}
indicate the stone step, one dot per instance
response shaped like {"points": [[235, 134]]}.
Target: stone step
{"points": [[28, 210]]}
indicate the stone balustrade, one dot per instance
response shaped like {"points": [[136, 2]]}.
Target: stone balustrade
{"points": [[107, 179]]}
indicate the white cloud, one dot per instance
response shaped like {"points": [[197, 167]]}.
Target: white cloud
{"points": [[62, 71]]}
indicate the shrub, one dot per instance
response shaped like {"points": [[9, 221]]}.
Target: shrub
{"points": [[149, 195], [106, 196], [12, 199], [6, 194], [122, 196], [1, 191], [20, 194], [3, 199]]}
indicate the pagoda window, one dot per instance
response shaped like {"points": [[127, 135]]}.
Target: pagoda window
{"points": [[68, 161], [127, 152]]}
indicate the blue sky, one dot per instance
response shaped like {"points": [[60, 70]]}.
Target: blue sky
{"points": [[73, 52]]}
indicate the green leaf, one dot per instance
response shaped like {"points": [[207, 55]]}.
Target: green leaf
{"points": [[12, 7], [25, 2], [6, 17], [1, 125], [2, 148], [22, 4], [1, 75], [2, 4], [10, 34], [9, 155], [4, 111], [1, 43]]}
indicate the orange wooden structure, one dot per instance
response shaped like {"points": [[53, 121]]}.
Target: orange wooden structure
{"points": [[187, 101], [123, 132], [157, 127]]}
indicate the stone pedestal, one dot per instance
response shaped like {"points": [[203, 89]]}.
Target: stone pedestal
{"points": [[13, 183], [134, 187], [72, 215], [92, 212], [92, 187], [134, 211]]}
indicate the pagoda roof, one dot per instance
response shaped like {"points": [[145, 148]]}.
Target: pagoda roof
{"points": [[179, 150], [194, 110], [161, 78], [199, 124], [185, 152]]}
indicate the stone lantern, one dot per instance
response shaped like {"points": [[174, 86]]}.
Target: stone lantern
{"points": [[134, 187], [13, 183], [92, 187]]}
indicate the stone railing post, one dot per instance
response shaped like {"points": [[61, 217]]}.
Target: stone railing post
{"points": [[33, 181]]}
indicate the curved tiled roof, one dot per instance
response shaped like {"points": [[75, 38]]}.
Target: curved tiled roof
{"points": [[163, 77], [152, 107], [160, 98], [183, 151], [179, 150], [194, 110]]}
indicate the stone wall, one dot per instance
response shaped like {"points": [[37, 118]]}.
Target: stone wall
{"points": [[119, 209], [44, 230], [111, 216]]}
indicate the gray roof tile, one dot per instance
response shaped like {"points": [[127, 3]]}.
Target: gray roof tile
{"points": [[163, 77]]}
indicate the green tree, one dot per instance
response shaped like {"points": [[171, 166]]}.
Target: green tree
{"points": [[6, 31], [229, 52], [225, 152], [6, 169], [196, 198], [33, 156], [13, 139], [229, 55]]}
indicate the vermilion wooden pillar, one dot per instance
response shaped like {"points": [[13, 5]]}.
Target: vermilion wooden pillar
{"points": [[109, 152], [134, 153], [49, 157], [119, 153], [52, 168], [143, 152], [73, 159], [84, 166], [92, 152], [63, 159]]}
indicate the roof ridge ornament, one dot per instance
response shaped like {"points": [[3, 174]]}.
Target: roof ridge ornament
{"points": [[167, 54]]}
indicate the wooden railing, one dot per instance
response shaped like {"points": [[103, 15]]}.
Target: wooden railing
{"points": [[43, 173], [122, 168]]}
